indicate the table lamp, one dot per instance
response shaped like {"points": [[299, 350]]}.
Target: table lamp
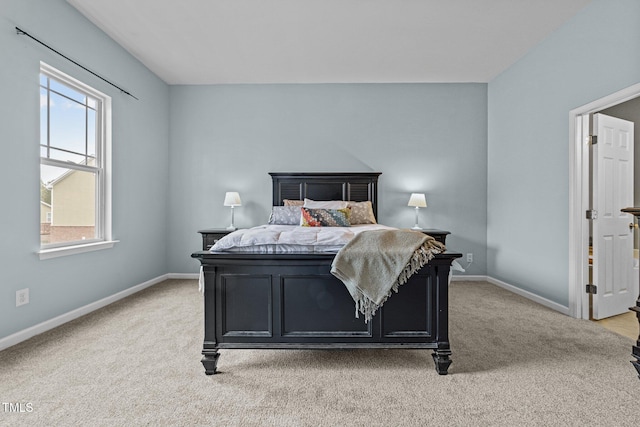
{"points": [[419, 201], [232, 198]]}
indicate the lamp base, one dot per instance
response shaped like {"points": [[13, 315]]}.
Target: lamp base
{"points": [[232, 226], [417, 227]]}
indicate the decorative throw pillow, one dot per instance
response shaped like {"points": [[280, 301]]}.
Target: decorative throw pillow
{"points": [[285, 215], [325, 204], [362, 213], [291, 202], [325, 217]]}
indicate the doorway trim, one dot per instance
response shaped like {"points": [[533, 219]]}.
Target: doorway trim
{"points": [[579, 196]]}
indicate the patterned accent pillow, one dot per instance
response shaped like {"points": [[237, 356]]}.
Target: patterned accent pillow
{"points": [[325, 217], [285, 215], [291, 202], [362, 213]]}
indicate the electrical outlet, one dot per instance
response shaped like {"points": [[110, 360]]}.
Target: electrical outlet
{"points": [[22, 297], [469, 257]]}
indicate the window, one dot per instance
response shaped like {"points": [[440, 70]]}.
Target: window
{"points": [[74, 159]]}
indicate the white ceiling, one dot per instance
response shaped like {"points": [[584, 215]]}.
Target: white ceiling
{"points": [[327, 41]]}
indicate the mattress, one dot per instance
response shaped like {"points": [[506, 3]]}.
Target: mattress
{"points": [[269, 239]]}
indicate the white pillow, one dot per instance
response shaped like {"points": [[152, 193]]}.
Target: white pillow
{"points": [[328, 204]]}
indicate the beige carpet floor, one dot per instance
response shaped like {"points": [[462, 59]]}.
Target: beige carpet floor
{"points": [[137, 362]]}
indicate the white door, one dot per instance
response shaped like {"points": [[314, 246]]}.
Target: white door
{"points": [[612, 238]]}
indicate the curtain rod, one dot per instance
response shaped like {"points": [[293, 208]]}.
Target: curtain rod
{"points": [[24, 33]]}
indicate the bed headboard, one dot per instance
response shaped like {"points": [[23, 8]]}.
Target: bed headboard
{"points": [[353, 186]]}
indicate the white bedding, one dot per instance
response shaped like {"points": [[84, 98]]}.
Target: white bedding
{"points": [[291, 238]]}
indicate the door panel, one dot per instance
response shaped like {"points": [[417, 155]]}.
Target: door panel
{"points": [[612, 238]]}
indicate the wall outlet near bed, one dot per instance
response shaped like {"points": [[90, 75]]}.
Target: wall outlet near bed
{"points": [[469, 257], [22, 297]]}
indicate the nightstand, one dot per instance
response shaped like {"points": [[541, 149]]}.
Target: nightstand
{"points": [[211, 236], [439, 235]]}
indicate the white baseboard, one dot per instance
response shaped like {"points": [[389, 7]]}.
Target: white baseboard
{"points": [[47, 325], [455, 277], [463, 278], [183, 276], [529, 295]]}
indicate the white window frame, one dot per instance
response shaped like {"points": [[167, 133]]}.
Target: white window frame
{"points": [[104, 239]]}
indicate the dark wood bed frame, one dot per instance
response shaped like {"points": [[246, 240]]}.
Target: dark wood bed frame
{"points": [[291, 301]]}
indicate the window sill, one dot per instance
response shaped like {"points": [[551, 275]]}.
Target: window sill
{"points": [[76, 249]]}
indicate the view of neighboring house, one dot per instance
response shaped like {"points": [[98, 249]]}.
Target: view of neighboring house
{"points": [[71, 214], [45, 222]]}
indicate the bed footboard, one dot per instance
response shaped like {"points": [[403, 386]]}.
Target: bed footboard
{"points": [[285, 301]]}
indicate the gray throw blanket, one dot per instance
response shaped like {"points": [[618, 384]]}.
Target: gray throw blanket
{"points": [[376, 262]]}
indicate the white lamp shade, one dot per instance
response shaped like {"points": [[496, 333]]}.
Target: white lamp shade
{"points": [[232, 198], [418, 200]]}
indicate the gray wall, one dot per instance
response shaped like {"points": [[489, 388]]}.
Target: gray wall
{"points": [[140, 166], [492, 159], [427, 138], [591, 56]]}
